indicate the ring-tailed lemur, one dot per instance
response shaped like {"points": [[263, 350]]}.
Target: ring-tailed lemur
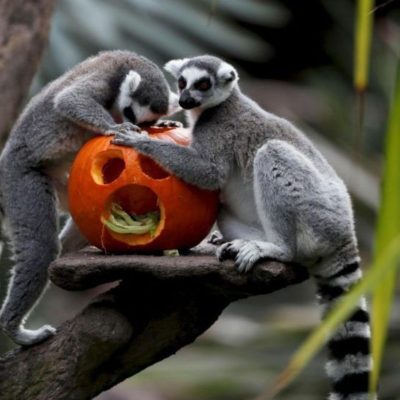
{"points": [[280, 199], [36, 159]]}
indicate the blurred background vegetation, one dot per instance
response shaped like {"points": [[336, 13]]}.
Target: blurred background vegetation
{"points": [[295, 59]]}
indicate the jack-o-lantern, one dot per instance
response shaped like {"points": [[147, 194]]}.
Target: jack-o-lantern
{"points": [[113, 191]]}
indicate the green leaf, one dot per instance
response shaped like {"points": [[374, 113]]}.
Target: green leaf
{"points": [[362, 49], [383, 267], [363, 43], [388, 228]]}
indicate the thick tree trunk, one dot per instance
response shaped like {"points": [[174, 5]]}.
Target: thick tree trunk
{"points": [[24, 28], [161, 305]]}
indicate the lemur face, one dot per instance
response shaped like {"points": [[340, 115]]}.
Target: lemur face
{"points": [[143, 104], [203, 81]]}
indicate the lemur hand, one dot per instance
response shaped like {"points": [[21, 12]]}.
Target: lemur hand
{"points": [[129, 139], [169, 124], [125, 127]]}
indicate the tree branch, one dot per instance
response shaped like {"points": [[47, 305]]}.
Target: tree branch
{"points": [[24, 27], [161, 305]]}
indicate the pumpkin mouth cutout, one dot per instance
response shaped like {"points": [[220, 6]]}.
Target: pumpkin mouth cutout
{"points": [[150, 168], [107, 167], [134, 200]]}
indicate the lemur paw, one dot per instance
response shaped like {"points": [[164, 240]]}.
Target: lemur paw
{"points": [[125, 128], [27, 337], [216, 238], [245, 253], [229, 250], [129, 139], [169, 124]]}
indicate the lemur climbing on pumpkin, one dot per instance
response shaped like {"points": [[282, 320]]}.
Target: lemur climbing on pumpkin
{"points": [[280, 199], [36, 158]]}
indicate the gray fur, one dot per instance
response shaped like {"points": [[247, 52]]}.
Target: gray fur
{"points": [[280, 198], [36, 159]]}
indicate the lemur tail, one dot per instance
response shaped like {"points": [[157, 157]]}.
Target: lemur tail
{"points": [[349, 362]]}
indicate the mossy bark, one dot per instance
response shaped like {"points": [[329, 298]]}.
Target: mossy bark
{"points": [[161, 305]]}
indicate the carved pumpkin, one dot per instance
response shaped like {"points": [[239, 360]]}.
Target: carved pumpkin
{"points": [[104, 175]]}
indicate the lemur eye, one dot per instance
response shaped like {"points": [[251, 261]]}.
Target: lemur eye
{"points": [[181, 83], [203, 84]]}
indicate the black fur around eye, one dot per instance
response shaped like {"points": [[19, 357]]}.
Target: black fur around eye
{"points": [[144, 101], [159, 106], [182, 83], [155, 109], [203, 84], [129, 114]]}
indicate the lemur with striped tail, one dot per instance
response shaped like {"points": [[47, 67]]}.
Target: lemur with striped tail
{"points": [[280, 199]]}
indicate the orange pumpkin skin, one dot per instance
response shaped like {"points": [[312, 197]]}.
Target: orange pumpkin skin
{"points": [[103, 173]]}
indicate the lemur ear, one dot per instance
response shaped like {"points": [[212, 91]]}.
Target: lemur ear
{"points": [[174, 66], [173, 106], [132, 80], [226, 73], [128, 86]]}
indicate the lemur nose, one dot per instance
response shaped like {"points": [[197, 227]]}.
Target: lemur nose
{"points": [[186, 101]]}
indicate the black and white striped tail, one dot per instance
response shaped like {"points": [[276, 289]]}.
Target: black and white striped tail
{"points": [[350, 360]]}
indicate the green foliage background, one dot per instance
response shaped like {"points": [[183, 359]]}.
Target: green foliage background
{"points": [[295, 59]]}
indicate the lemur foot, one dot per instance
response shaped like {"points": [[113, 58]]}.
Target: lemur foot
{"points": [[169, 124], [216, 238], [126, 128], [27, 337], [248, 256], [247, 253]]}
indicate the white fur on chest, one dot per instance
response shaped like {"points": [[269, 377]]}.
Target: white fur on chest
{"points": [[65, 145], [59, 175], [192, 116], [238, 198]]}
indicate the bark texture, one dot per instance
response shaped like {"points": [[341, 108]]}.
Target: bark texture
{"points": [[160, 305], [24, 28]]}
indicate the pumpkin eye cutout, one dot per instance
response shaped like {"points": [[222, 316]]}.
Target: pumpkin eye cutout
{"points": [[107, 167], [182, 83], [203, 85], [151, 168]]}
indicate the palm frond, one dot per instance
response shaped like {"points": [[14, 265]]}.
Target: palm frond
{"points": [[158, 30]]}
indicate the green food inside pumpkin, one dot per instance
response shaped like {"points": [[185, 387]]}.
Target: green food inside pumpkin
{"points": [[171, 253], [120, 221]]}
